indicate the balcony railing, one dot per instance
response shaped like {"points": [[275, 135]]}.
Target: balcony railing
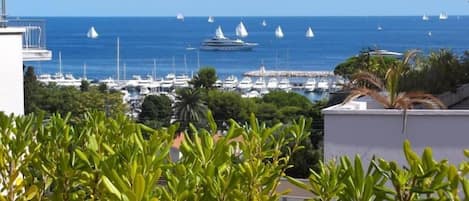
{"points": [[35, 35]]}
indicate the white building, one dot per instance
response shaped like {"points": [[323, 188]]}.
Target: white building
{"points": [[360, 127], [19, 41]]}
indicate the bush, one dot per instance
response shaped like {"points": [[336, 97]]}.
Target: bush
{"points": [[100, 158], [422, 178]]}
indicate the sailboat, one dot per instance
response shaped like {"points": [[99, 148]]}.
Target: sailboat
{"points": [[279, 32], [211, 19], [425, 17], [309, 33], [219, 33], [180, 17], [92, 33], [264, 23], [429, 33], [443, 16], [241, 30]]}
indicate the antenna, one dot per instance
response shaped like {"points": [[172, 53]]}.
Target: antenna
{"points": [[3, 17]]}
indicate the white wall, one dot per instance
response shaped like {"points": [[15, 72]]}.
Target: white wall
{"points": [[378, 132], [11, 71]]}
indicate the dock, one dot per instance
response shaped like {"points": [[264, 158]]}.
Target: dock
{"points": [[274, 73]]}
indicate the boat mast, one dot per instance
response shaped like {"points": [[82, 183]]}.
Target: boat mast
{"points": [[118, 58], [124, 69], [154, 69], [174, 66], [60, 63], [84, 71], [198, 60], [3, 17], [185, 65]]}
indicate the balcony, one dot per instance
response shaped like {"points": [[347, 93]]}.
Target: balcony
{"points": [[34, 39]]}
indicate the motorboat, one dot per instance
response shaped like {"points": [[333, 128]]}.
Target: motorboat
{"points": [[251, 94], [272, 83], [218, 84], [245, 84], [322, 86], [310, 85], [230, 82], [168, 81], [221, 43], [259, 84], [181, 81], [284, 84]]}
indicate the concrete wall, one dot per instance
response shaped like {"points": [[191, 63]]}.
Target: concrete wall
{"points": [[11, 71], [378, 132]]}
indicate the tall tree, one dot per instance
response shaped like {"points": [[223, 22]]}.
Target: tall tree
{"points": [[156, 111], [205, 78], [31, 88], [189, 107]]}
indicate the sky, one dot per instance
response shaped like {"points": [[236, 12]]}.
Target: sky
{"points": [[235, 7]]}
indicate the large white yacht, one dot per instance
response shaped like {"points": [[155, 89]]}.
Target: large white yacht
{"points": [[259, 84], [272, 83], [284, 84], [245, 84], [222, 43], [230, 82], [310, 85]]}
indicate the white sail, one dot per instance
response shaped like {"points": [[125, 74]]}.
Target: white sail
{"points": [[92, 33], [309, 33], [241, 30], [443, 16], [425, 17], [219, 33], [264, 23], [279, 32], [211, 19], [180, 17]]}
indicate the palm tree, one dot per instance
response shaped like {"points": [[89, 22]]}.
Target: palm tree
{"points": [[189, 107], [388, 92]]}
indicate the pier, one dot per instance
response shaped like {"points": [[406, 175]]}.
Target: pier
{"points": [[274, 73]]}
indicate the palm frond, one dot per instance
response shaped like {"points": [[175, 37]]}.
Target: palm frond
{"points": [[369, 78], [358, 92]]}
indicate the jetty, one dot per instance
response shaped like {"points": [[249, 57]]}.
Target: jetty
{"points": [[275, 73]]}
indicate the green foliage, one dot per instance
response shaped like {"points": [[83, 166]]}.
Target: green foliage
{"points": [[205, 78], [190, 107], [85, 86], [441, 71], [52, 99], [156, 111], [422, 179], [101, 158], [31, 88], [364, 62]]}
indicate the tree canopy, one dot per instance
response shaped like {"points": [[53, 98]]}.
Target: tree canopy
{"points": [[205, 78]]}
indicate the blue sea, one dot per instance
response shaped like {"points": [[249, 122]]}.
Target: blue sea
{"points": [[165, 39]]}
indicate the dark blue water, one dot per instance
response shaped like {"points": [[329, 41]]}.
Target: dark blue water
{"points": [[162, 38]]}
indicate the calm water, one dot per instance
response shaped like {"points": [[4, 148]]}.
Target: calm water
{"points": [[164, 38]]}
